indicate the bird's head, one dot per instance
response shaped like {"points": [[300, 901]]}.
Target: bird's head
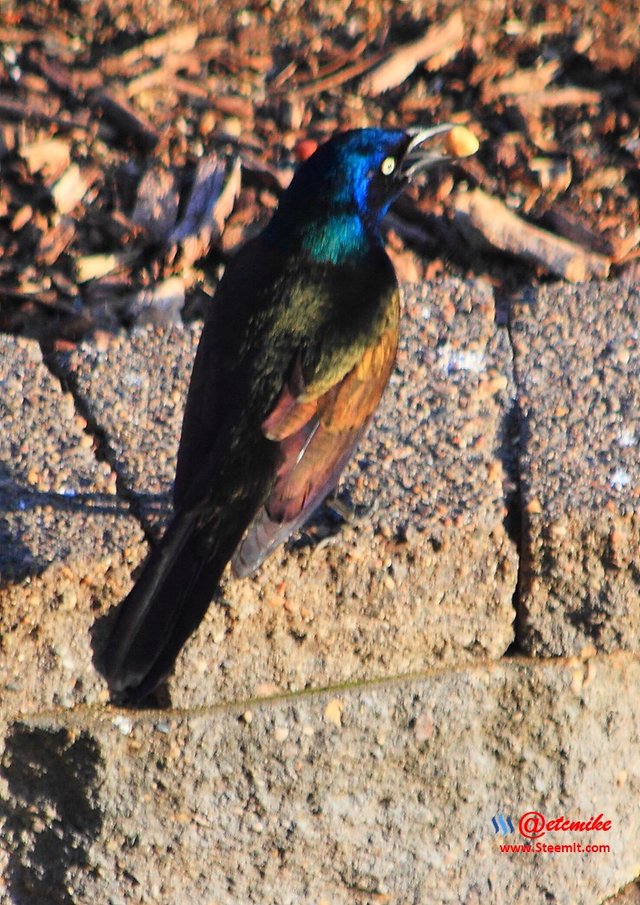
{"points": [[349, 183]]}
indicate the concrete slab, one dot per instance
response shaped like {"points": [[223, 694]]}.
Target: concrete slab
{"points": [[427, 576], [577, 358], [66, 538], [380, 794]]}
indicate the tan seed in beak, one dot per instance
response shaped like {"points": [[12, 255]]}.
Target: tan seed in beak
{"points": [[461, 142]]}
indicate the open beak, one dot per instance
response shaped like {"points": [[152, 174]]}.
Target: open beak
{"points": [[458, 142]]}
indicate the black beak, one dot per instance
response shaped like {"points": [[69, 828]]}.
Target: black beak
{"points": [[418, 158]]}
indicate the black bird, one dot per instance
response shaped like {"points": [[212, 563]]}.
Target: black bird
{"points": [[295, 353]]}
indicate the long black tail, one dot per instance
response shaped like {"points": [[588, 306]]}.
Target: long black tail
{"points": [[165, 606]]}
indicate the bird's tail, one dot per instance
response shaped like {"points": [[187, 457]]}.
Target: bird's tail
{"points": [[165, 606]]}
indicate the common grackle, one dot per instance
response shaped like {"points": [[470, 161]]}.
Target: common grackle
{"points": [[295, 353]]}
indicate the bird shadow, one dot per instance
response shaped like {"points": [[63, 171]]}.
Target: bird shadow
{"points": [[20, 502], [18, 559], [51, 815], [21, 559]]}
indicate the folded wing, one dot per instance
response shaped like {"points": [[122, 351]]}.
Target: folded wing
{"points": [[317, 435]]}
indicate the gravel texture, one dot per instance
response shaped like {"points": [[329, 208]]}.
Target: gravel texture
{"points": [[577, 360], [426, 574], [379, 794], [66, 538]]}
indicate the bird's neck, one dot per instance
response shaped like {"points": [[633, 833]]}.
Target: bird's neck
{"points": [[337, 237]]}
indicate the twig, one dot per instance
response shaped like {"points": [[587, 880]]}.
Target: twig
{"points": [[122, 115], [340, 77], [177, 41], [559, 97], [486, 221], [33, 112], [446, 38]]}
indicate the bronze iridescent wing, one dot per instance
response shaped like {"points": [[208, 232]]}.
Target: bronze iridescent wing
{"points": [[317, 435]]}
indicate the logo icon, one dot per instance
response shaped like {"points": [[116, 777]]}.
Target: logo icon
{"points": [[532, 825], [500, 822]]}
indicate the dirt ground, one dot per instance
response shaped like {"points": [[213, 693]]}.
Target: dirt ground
{"points": [[141, 143]]}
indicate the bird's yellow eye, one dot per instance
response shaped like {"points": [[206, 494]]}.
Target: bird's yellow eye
{"points": [[388, 166]]}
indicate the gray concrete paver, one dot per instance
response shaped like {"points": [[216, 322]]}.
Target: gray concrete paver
{"points": [[384, 793], [577, 358]]}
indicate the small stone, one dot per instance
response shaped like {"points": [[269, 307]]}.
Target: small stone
{"points": [[123, 723], [333, 712]]}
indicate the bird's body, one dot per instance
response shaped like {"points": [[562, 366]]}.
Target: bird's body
{"points": [[294, 356]]}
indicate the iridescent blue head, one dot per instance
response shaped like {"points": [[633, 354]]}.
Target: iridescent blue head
{"points": [[338, 197]]}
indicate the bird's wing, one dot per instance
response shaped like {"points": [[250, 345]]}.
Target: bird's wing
{"points": [[317, 425]]}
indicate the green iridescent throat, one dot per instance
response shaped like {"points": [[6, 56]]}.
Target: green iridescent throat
{"points": [[335, 240]]}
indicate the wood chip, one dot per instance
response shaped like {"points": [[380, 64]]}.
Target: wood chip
{"points": [[35, 109], [14, 35], [191, 89], [606, 56], [446, 38], [205, 192], [176, 41], [524, 81], [119, 111], [566, 224], [157, 201], [92, 267], [559, 97], [339, 62], [160, 305], [71, 188], [625, 246], [50, 157], [67, 79], [553, 173], [488, 221], [208, 207], [21, 217], [56, 240], [230, 192], [8, 139], [339, 78], [604, 178], [228, 105]]}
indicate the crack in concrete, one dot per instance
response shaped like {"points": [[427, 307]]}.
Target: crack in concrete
{"points": [[102, 449], [80, 714], [512, 441]]}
